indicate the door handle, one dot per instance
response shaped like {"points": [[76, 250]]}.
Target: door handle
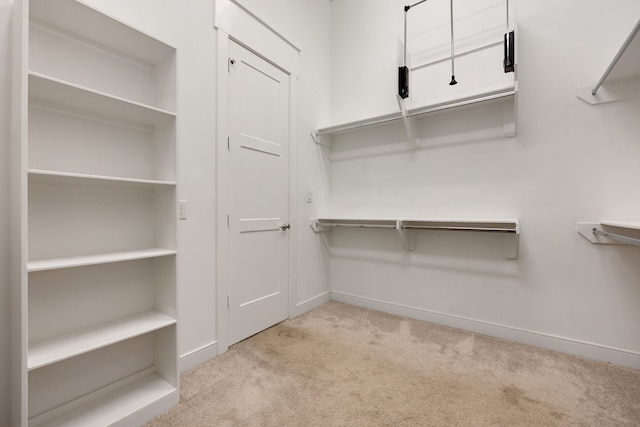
{"points": [[285, 227]]}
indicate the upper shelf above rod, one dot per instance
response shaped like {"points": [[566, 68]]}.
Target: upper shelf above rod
{"points": [[621, 79], [505, 94]]}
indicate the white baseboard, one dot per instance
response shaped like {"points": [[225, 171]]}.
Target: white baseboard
{"points": [[310, 304], [629, 359], [198, 356]]}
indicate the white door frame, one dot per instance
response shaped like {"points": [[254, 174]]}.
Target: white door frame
{"points": [[251, 33]]}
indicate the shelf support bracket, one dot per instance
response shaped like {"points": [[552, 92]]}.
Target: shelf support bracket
{"points": [[595, 233], [406, 236], [410, 125], [509, 117], [315, 136], [317, 226], [511, 244]]}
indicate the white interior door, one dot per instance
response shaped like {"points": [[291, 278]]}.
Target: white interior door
{"points": [[259, 105]]}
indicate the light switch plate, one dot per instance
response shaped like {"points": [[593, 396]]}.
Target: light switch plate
{"points": [[182, 210]]}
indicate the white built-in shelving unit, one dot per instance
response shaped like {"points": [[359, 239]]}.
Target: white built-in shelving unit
{"points": [[620, 81], [95, 183]]}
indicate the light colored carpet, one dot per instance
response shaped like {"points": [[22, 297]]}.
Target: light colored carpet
{"points": [[340, 365]]}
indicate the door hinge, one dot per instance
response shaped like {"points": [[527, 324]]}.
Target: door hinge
{"points": [[228, 143], [228, 221], [228, 302], [230, 62]]}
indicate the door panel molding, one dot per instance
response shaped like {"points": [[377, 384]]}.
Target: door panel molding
{"points": [[262, 145], [262, 224]]}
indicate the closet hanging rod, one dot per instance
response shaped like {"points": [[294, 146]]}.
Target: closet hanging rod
{"points": [[415, 4], [335, 224], [624, 47], [469, 228], [407, 228], [401, 225], [618, 237]]}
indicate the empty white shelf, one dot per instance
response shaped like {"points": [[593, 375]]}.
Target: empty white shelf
{"points": [[357, 124], [406, 227], [79, 178], [492, 95], [634, 225], [78, 261], [58, 92], [75, 17], [116, 405], [46, 352]]}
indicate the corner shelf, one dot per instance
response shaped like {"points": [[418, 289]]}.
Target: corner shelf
{"points": [[621, 79], [407, 227], [611, 232]]}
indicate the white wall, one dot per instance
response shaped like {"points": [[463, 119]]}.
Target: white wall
{"points": [[5, 90], [569, 162]]}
